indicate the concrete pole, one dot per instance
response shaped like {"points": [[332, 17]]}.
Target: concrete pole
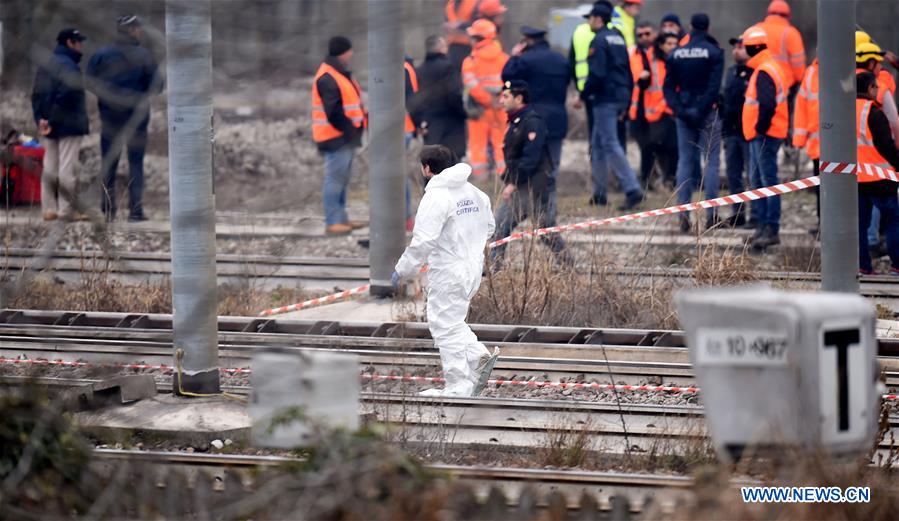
{"points": [[386, 88], [839, 192], [188, 25]]}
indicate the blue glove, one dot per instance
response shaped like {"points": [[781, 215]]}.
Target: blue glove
{"points": [[395, 279]]}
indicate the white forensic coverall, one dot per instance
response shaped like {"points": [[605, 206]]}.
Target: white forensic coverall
{"points": [[452, 226]]}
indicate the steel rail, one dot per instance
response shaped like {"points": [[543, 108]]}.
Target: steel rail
{"points": [[325, 273], [512, 422]]}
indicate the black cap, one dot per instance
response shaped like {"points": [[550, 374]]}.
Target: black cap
{"points": [[671, 17], [339, 45], [735, 41], [600, 10], [128, 20], [532, 32], [700, 22], [517, 88], [70, 34]]}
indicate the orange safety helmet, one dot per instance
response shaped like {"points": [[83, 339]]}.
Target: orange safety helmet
{"points": [[492, 8], [638, 2], [779, 7], [482, 28], [755, 35]]}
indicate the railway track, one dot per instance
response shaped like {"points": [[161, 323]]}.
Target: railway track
{"points": [[327, 273], [573, 354], [546, 353], [640, 489]]}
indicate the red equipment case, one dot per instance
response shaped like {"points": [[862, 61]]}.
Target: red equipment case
{"points": [[24, 172]]}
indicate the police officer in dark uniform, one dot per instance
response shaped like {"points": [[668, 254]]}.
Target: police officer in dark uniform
{"points": [[692, 88], [608, 89], [527, 177], [547, 74]]}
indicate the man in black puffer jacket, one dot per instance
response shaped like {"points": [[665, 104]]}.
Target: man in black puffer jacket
{"points": [[527, 178], [60, 112], [437, 106]]}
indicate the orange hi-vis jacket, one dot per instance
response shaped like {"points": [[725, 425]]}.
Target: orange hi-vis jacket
{"points": [[413, 79], [459, 15], [350, 97], [785, 44], [780, 123], [867, 153], [885, 83], [654, 105], [482, 72], [806, 118]]}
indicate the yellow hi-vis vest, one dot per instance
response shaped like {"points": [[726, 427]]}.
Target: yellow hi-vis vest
{"points": [[580, 42]]}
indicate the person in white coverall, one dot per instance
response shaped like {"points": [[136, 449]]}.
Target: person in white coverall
{"points": [[452, 226]]}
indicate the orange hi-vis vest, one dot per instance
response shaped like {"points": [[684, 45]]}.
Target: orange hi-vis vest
{"points": [[482, 72], [350, 97], [780, 123], [807, 119], [654, 105], [867, 153], [413, 79], [785, 44], [459, 14], [885, 84]]}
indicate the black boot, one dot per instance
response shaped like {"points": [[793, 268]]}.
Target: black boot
{"points": [[634, 198], [769, 237], [712, 220], [685, 225]]}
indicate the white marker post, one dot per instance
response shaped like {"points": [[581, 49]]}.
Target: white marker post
{"points": [[782, 369]]}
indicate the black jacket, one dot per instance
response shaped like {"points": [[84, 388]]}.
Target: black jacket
{"points": [[58, 94], [766, 94], [610, 79], [439, 94], [882, 137], [122, 75], [732, 102], [693, 80], [527, 156], [547, 74], [333, 105]]}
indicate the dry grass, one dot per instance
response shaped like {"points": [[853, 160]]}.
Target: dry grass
{"points": [[536, 292], [100, 290], [723, 266], [565, 446]]}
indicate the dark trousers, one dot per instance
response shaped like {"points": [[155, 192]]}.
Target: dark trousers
{"points": [[658, 144], [136, 146], [520, 206], [889, 215], [736, 161], [447, 132]]}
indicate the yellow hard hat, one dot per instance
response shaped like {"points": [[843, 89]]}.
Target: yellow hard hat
{"points": [[868, 51], [862, 37]]}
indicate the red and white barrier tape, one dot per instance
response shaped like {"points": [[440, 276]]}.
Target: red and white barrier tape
{"points": [[742, 197], [400, 378], [316, 301]]}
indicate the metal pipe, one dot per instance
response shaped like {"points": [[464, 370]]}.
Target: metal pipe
{"points": [[839, 192], [188, 26], [386, 87]]}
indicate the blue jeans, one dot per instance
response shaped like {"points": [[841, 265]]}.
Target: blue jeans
{"points": [[607, 151], [874, 229], [736, 160], [136, 145], [889, 213], [692, 145], [338, 169], [762, 173]]}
